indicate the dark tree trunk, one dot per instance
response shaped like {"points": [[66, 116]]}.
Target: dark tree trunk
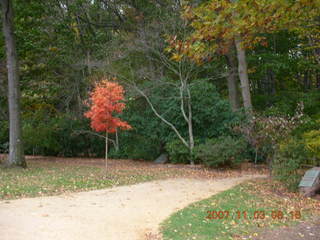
{"points": [[318, 80], [306, 81], [16, 153], [272, 82], [232, 79], [265, 83], [269, 87], [243, 75]]}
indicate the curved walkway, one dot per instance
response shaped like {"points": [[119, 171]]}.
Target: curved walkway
{"points": [[121, 213]]}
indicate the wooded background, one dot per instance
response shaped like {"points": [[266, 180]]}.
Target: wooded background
{"points": [[180, 57]]}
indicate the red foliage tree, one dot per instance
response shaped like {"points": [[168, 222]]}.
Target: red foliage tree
{"points": [[105, 101]]}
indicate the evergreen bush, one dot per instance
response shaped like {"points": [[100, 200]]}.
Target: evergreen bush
{"points": [[223, 151]]}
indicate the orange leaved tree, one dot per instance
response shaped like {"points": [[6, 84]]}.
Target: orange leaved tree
{"points": [[105, 101]]}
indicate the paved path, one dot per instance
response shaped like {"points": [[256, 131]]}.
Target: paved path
{"points": [[120, 213]]}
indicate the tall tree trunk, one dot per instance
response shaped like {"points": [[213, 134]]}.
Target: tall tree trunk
{"points": [[243, 75], [232, 79], [16, 153]]}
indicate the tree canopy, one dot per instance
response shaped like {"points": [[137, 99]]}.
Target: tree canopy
{"points": [[185, 62]]}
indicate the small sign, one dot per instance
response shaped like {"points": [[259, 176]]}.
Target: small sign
{"points": [[310, 178]]}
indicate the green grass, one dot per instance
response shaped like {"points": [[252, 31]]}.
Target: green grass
{"points": [[192, 222], [53, 179], [53, 176]]}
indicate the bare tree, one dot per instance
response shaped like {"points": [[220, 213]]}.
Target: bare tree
{"points": [[16, 152], [157, 67], [185, 103]]}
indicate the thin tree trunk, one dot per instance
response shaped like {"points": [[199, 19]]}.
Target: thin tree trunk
{"points": [[318, 80], [265, 83], [162, 118], [272, 82], [232, 79], [306, 81], [16, 152], [243, 75], [106, 156], [117, 141], [190, 127], [89, 62], [184, 88], [189, 144], [268, 86]]}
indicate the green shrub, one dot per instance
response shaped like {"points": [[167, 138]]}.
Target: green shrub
{"points": [[307, 125], [312, 142], [178, 152], [310, 133], [311, 103], [4, 147], [224, 151], [287, 162], [285, 102], [135, 146], [150, 135], [61, 135], [4, 136], [75, 139]]}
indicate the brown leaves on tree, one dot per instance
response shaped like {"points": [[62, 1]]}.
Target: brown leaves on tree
{"points": [[216, 23]]}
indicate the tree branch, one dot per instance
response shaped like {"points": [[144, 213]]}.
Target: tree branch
{"points": [[162, 118], [78, 132]]}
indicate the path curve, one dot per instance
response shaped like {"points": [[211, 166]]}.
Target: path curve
{"points": [[120, 213]]}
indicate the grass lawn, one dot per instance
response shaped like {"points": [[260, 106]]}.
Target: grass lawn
{"points": [[53, 176], [239, 213], [51, 179]]}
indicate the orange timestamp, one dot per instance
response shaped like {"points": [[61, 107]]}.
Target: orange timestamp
{"points": [[255, 215]]}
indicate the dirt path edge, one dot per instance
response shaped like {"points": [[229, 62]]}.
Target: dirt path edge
{"points": [[120, 213]]}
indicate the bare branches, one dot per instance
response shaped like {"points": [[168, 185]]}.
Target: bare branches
{"points": [[158, 71], [162, 118], [79, 132]]}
